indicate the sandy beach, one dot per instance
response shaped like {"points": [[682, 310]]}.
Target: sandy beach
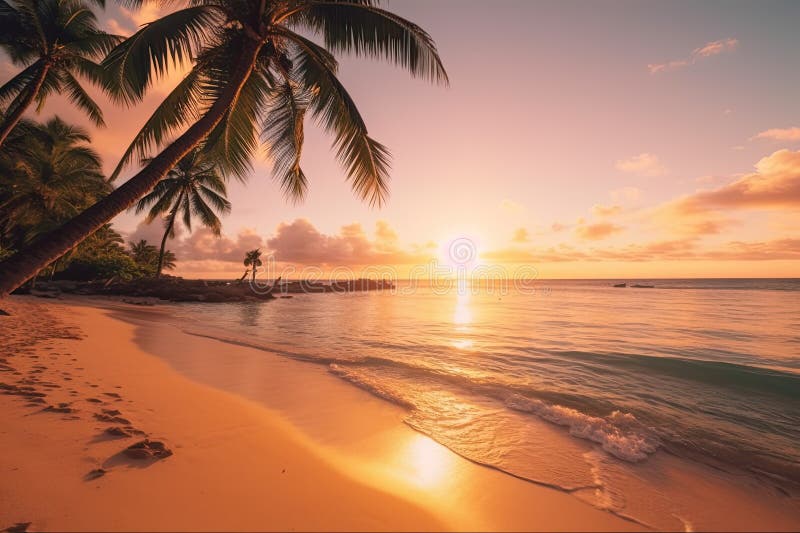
{"points": [[237, 463]]}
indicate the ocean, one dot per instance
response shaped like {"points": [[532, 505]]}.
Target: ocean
{"points": [[573, 384]]}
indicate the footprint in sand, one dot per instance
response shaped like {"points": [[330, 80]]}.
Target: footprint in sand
{"points": [[60, 408], [147, 449], [111, 416], [96, 473], [19, 527]]}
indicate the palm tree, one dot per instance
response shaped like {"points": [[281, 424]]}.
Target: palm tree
{"points": [[56, 41], [48, 174], [168, 260], [193, 187], [252, 260], [253, 72], [143, 252]]}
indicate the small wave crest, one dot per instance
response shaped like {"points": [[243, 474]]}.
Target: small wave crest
{"points": [[620, 434], [370, 385]]}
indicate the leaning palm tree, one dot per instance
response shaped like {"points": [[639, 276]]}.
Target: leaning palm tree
{"points": [[252, 260], [56, 41], [193, 187], [254, 75]]}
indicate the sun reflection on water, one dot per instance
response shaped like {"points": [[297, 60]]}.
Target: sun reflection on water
{"points": [[462, 316]]}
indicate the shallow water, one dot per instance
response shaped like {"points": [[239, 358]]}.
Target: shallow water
{"points": [[573, 384]]}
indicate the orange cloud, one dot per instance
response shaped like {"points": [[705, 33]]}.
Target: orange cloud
{"points": [[594, 232], [686, 249], [774, 184], [521, 235], [780, 134], [606, 210]]}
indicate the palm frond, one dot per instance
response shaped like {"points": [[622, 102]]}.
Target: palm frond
{"points": [[20, 82], [283, 135], [82, 100], [366, 161], [234, 141], [366, 30], [149, 53], [177, 110]]}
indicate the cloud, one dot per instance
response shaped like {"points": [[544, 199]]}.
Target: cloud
{"points": [[715, 47], [626, 195], [707, 50], [644, 164], [300, 242], [594, 232], [202, 244], [780, 134], [774, 184], [606, 210], [152, 233], [685, 249], [521, 235], [669, 65], [511, 206]]}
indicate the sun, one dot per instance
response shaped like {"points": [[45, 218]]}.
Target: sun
{"points": [[459, 253]]}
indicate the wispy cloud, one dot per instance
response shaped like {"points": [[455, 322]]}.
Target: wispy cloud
{"points": [[644, 164], [780, 134], [511, 206], [707, 50], [601, 210], [686, 249]]}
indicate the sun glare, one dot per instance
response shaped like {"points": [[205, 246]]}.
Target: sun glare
{"points": [[429, 461]]}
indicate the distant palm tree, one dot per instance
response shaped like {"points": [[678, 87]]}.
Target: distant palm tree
{"points": [[104, 238], [193, 187], [56, 41], [143, 253], [254, 72], [252, 260], [168, 260], [48, 174]]}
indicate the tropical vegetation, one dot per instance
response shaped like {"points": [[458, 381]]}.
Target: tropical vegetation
{"points": [[57, 42], [255, 74], [193, 188], [252, 260]]}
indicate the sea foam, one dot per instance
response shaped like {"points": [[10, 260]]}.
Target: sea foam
{"points": [[620, 434]]}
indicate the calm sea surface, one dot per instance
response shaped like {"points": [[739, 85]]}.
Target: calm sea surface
{"points": [[567, 383]]}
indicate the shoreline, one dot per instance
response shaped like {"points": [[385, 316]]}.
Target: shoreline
{"points": [[233, 453]]}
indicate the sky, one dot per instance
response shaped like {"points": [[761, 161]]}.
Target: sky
{"points": [[575, 140]]}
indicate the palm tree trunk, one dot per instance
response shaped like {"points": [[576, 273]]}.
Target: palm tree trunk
{"points": [[13, 118], [23, 265], [170, 224]]}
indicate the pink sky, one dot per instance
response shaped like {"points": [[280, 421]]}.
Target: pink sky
{"points": [[604, 139]]}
